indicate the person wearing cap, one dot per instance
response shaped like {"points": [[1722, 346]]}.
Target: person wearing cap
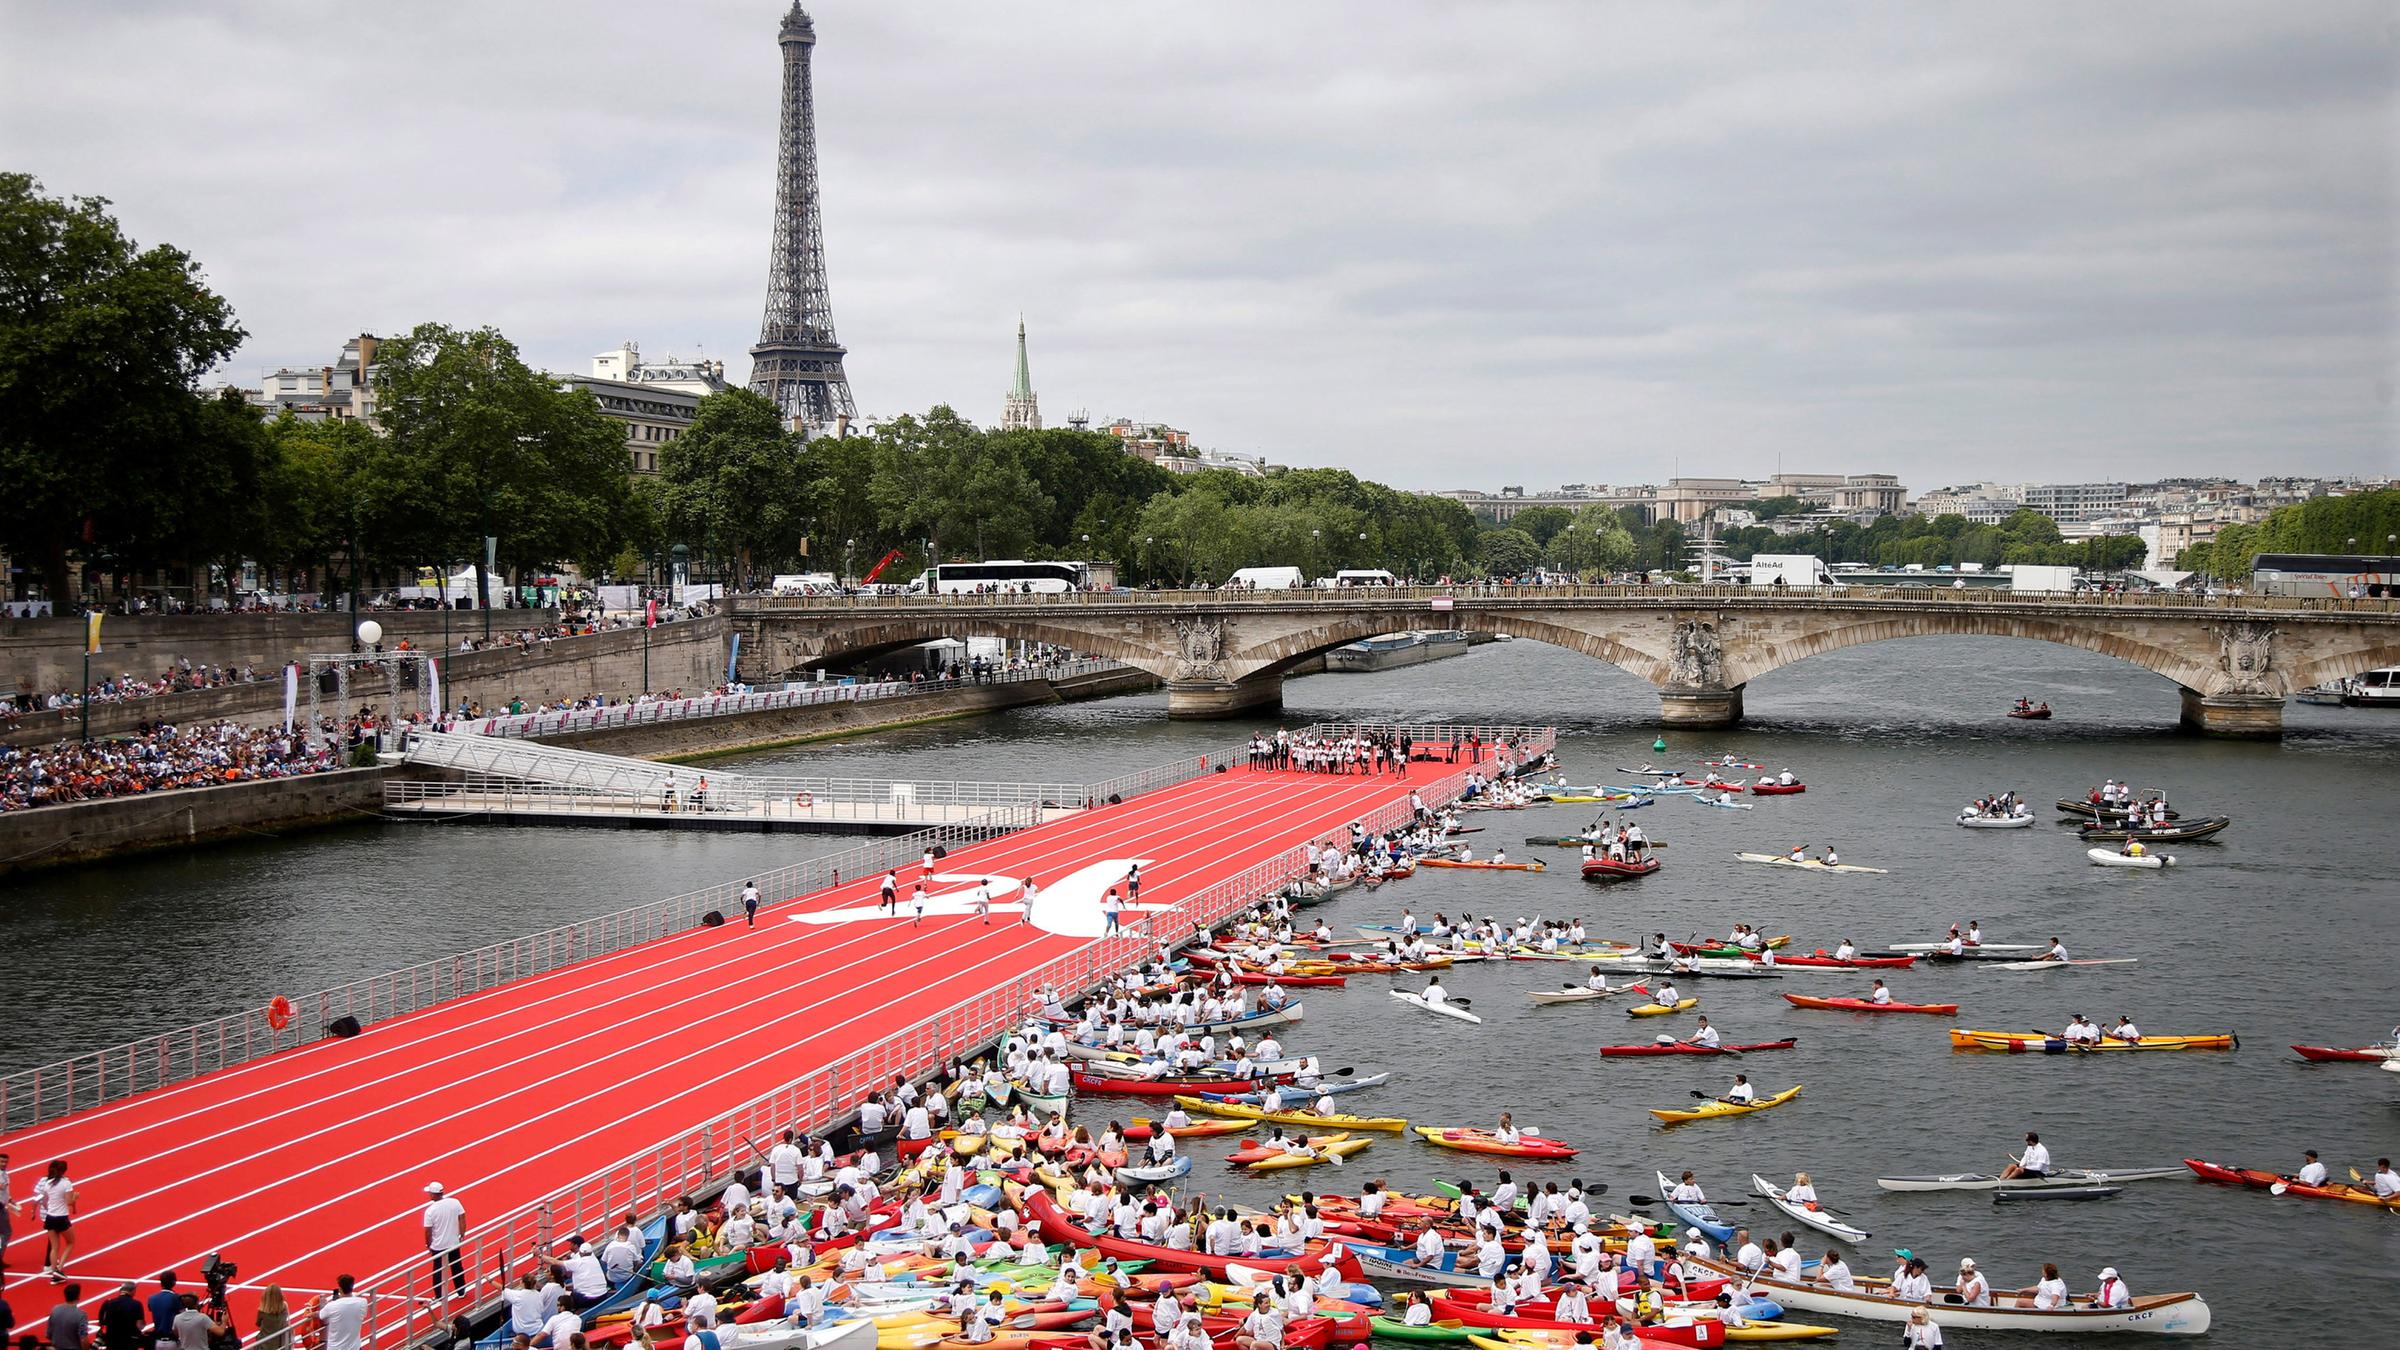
{"points": [[2112, 1292], [1974, 1291], [1911, 1283], [587, 1280], [445, 1223], [1919, 1332], [2312, 1172]]}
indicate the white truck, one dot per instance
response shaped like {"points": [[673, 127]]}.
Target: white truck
{"points": [[1789, 570], [2040, 577]]}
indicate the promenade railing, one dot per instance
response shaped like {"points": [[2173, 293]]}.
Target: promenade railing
{"points": [[1675, 593], [659, 710], [404, 1314]]}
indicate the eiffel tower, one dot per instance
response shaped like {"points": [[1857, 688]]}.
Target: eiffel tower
{"points": [[798, 362]]}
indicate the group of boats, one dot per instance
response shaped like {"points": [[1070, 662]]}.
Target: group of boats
{"points": [[2134, 826]]}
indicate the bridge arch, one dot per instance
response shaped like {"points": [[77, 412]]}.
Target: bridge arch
{"points": [[783, 652], [1747, 659], [2342, 665], [1278, 656]]}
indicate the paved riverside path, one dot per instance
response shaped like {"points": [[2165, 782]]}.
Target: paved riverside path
{"points": [[312, 1163]]}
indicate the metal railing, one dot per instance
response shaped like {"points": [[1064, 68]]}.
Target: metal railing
{"points": [[1664, 594], [648, 1181], [834, 800], [573, 720]]}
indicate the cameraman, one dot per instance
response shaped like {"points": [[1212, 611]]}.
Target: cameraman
{"points": [[197, 1330]]}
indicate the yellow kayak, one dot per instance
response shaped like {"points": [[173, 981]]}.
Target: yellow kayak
{"points": [[1656, 1010], [1305, 1119], [1336, 1148], [1705, 1110], [2043, 1043]]}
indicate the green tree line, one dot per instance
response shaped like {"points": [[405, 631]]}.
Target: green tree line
{"points": [[1891, 541], [2363, 522]]}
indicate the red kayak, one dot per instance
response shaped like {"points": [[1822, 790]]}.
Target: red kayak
{"points": [[1609, 869], [1484, 1141], [1864, 1005], [1685, 1048], [2327, 1054], [2258, 1178], [1468, 1306], [1170, 1087], [1059, 1226], [1778, 789]]}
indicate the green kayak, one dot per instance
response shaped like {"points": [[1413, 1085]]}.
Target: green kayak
{"points": [[1393, 1329]]}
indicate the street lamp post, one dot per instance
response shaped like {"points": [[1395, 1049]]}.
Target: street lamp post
{"points": [[847, 545]]}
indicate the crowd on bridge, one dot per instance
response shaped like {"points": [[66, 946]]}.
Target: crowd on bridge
{"points": [[164, 757]]}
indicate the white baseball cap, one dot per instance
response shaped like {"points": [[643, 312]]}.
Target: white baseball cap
{"points": [[433, 1188]]}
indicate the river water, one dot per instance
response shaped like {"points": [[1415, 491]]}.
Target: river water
{"points": [[2280, 932]]}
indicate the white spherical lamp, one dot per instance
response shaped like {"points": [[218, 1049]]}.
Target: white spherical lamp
{"points": [[370, 633]]}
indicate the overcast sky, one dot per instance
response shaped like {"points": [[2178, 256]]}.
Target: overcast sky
{"points": [[1440, 244]]}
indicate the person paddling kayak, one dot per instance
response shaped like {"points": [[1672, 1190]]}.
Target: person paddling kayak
{"points": [[2034, 1162], [1742, 1094], [1705, 1036]]}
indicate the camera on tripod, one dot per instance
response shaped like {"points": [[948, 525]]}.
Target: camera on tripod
{"points": [[220, 1275]]}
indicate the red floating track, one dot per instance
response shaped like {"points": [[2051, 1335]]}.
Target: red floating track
{"points": [[314, 1162]]}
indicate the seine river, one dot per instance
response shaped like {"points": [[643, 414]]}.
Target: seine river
{"points": [[2281, 932]]}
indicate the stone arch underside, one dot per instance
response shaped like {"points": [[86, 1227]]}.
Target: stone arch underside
{"points": [[2341, 665], [788, 651], [1278, 655], [1747, 658]]}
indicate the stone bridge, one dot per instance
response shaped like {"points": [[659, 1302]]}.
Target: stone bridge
{"points": [[1222, 654]]}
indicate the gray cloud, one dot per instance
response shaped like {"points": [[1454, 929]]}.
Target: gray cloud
{"points": [[1441, 244]]}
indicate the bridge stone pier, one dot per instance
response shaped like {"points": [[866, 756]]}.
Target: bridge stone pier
{"points": [[1224, 654]]}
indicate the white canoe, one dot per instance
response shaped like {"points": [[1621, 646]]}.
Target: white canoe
{"points": [[857, 1333], [1805, 864], [1978, 947], [1814, 1216], [2065, 1176], [1149, 1175], [1576, 995], [2062, 965], [2157, 1314], [2109, 857], [1722, 806], [1445, 1009], [1976, 820]]}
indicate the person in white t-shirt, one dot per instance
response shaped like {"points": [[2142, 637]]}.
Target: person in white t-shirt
{"points": [[343, 1315], [445, 1224], [1920, 1333], [524, 1300], [561, 1330], [2112, 1293], [2050, 1294], [2034, 1162]]}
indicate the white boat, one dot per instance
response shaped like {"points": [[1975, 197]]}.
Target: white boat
{"points": [[1806, 864], [2391, 1066], [1150, 1175], [1978, 947], [1445, 1009], [2109, 857], [1393, 1264], [2029, 966], [2373, 689], [1815, 1216], [1704, 799], [853, 1334], [2157, 1314], [1977, 820], [2065, 1176]]}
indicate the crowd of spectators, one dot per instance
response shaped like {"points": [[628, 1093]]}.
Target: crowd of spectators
{"points": [[164, 757], [180, 675]]}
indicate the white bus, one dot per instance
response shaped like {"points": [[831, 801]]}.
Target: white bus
{"points": [[1007, 575]]}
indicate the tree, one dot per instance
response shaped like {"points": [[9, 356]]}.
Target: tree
{"points": [[101, 343], [735, 484], [1596, 541], [1542, 522], [480, 444], [1508, 553]]}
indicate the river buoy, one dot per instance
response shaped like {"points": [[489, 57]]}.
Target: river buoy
{"points": [[1659, 745]]}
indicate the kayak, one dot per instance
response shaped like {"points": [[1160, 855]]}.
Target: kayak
{"points": [[1484, 1141], [1260, 1156], [1152, 1174], [1481, 866], [1943, 948], [1711, 1110], [2370, 1054], [1816, 958], [1168, 1087], [1705, 800], [1583, 995], [2063, 1177], [1655, 1010], [2109, 857], [1869, 1006], [1198, 1129], [1237, 1111], [2042, 1042], [1393, 1329], [1043, 1211], [1687, 1048], [1445, 1009], [2261, 1179], [1778, 789], [1699, 1216], [2055, 1192], [1809, 1212], [1609, 869], [2062, 965], [1327, 1087], [1807, 864]]}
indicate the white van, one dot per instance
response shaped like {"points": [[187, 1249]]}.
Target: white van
{"points": [[805, 583], [1265, 579], [1360, 576]]}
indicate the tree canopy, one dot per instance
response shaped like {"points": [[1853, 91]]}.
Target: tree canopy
{"points": [[2326, 525]]}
